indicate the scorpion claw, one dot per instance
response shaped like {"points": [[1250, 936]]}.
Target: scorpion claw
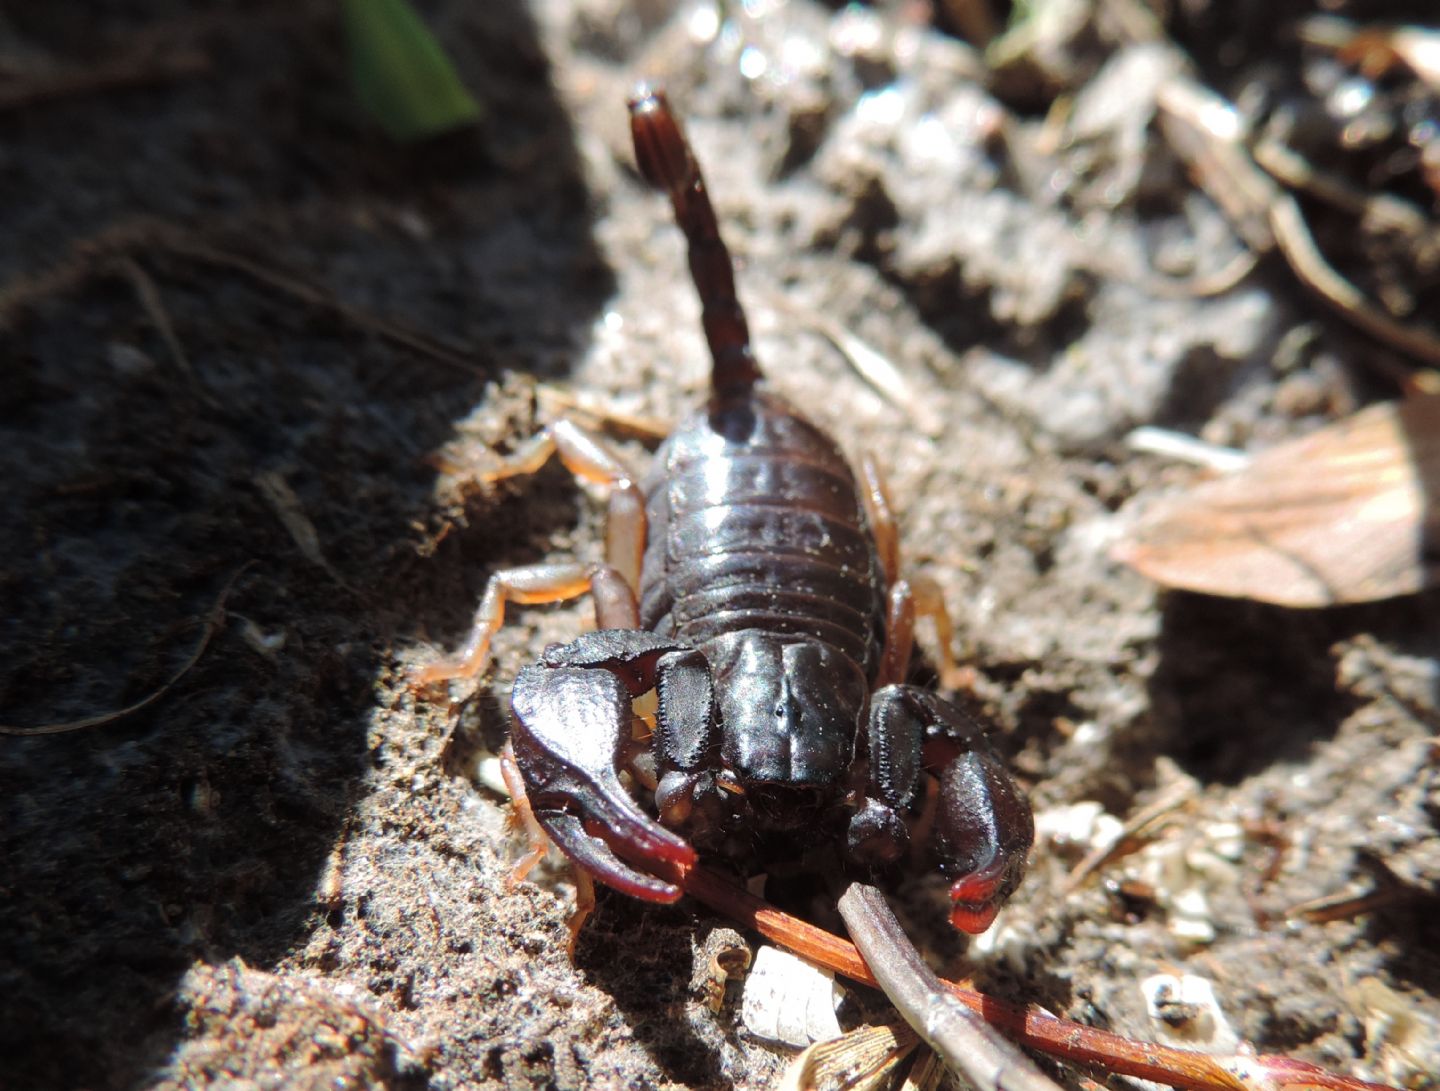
{"points": [[570, 726], [984, 830], [982, 825], [599, 859], [976, 898]]}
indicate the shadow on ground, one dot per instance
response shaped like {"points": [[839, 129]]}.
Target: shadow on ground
{"points": [[171, 419]]}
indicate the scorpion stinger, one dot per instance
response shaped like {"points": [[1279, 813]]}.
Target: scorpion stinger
{"points": [[664, 158]]}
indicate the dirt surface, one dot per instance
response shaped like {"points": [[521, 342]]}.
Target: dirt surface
{"points": [[243, 336]]}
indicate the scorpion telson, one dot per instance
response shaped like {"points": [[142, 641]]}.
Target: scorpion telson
{"points": [[751, 581]]}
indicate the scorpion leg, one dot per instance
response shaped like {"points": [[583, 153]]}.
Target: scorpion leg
{"points": [[573, 714], [613, 584], [523, 816], [590, 459], [910, 597], [982, 828], [614, 608]]}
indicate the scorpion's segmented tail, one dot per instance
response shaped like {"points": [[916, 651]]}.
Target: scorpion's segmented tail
{"points": [[665, 160]]}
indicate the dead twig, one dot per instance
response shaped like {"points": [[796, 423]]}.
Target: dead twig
{"points": [[149, 295], [318, 296], [1293, 238], [213, 620], [967, 1043], [291, 513], [1347, 905], [1175, 797], [139, 68]]}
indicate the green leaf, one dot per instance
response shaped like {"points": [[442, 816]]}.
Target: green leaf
{"points": [[400, 74]]}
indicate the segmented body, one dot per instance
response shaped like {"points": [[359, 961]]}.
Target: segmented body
{"points": [[772, 632], [756, 524]]}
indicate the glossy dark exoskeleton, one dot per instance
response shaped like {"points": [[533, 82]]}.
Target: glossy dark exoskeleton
{"points": [[752, 583]]}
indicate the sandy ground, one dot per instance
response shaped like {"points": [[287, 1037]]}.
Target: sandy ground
{"points": [[242, 336]]}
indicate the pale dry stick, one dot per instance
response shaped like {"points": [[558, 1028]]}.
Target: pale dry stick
{"points": [[212, 622], [291, 513], [149, 296], [985, 1059], [1382, 210], [1202, 285], [1186, 448], [1293, 238], [1175, 797], [874, 367]]}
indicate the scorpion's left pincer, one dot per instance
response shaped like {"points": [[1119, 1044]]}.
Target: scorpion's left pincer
{"points": [[572, 736]]}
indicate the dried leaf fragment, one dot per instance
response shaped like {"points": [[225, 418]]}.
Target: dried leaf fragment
{"points": [[1350, 513], [863, 1058]]}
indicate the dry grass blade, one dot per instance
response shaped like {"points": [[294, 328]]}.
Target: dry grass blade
{"points": [[1348, 514], [875, 368], [1178, 795], [212, 622], [291, 513]]}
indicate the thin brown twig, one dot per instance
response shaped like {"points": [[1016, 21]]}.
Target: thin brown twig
{"points": [[307, 291], [1029, 1025], [91, 256], [138, 68], [1293, 238], [213, 621]]}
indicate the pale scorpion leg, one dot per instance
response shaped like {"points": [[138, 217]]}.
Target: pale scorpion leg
{"points": [[613, 584], [910, 597], [589, 458], [537, 844], [615, 608]]}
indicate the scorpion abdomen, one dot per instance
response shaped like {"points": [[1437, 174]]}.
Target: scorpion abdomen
{"points": [[756, 523]]}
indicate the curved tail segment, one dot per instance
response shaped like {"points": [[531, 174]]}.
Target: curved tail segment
{"points": [[665, 160]]}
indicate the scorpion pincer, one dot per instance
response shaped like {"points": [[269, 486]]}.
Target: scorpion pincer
{"points": [[751, 581]]}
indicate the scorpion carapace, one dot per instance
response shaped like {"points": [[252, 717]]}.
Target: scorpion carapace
{"points": [[751, 581]]}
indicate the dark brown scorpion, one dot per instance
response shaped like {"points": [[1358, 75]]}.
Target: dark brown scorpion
{"points": [[773, 627]]}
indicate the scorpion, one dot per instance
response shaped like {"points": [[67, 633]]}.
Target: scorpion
{"points": [[751, 592]]}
